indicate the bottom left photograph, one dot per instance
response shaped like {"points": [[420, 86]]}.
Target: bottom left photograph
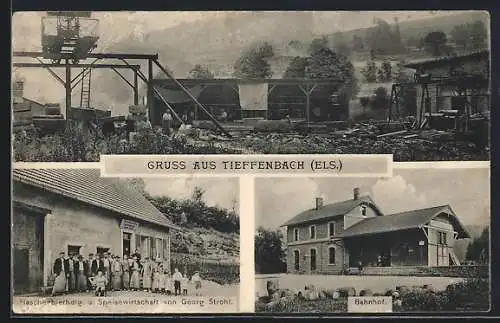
{"points": [[86, 244]]}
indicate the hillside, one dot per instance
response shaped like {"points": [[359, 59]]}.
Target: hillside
{"points": [[461, 245], [218, 42]]}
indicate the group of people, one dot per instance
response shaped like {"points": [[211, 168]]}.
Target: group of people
{"points": [[107, 272]]}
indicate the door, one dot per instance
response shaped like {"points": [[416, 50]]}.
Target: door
{"points": [[21, 271], [127, 238], [313, 259]]}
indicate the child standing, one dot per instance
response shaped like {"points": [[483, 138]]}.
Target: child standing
{"points": [[196, 280], [184, 284]]}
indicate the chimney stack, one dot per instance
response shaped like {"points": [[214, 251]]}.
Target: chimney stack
{"points": [[356, 193], [319, 203]]}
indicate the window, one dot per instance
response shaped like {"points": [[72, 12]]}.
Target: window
{"points": [[296, 234], [296, 260], [312, 232], [363, 210], [165, 249], [331, 229], [159, 247], [73, 250], [101, 250], [331, 255], [442, 250], [138, 241], [442, 238], [313, 259]]}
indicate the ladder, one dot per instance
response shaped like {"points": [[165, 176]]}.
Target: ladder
{"points": [[85, 92]]}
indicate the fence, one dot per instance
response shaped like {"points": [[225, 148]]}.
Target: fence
{"points": [[221, 271]]}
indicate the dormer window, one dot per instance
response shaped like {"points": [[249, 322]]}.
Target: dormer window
{"points": [[296, 234], [363, 210], [312, 232]]}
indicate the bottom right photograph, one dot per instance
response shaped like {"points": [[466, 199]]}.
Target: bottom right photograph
{"points": [[418, 241]]}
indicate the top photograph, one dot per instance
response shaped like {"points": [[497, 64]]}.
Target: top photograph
{"points": [[414, 84]]}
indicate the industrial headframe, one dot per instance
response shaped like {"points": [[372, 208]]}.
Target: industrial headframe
{"points": [[71, 37]]}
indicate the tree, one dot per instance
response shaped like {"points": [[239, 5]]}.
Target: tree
{"points": [[269, 253], [252, 64], [478, 35], [381, 99], [385, 71], [370, 70], [383, 39], [478, 249], [357, 43], [200, 72], [435, 43], [340, 44], [326, 64], [197, 194], [318, 44], [460, 35], [266, 50], [296, 68]]}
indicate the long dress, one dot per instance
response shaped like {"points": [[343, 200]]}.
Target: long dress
{"points": [[168, 283], [116, 283], [161, 280], [59, 283], [72, 276], [135, 281], [156, 279], [126, 274], [81, 278], [147, 272]]}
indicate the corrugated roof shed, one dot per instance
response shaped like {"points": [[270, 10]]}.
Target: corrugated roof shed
{"points": [[329, 210], [481, 54], [403, 221], [86, 185]]}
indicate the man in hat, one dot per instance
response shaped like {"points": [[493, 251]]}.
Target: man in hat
{"points": [[61, 271]]}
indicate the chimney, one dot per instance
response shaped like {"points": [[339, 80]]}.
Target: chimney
{"points": [[319, 203], [356, 193]]}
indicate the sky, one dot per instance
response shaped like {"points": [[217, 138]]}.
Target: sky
{"points": [[222, 192], [467, 191], [113, 26]]}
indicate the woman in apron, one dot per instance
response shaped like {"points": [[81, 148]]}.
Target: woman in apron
{"points": [[156, 277], [135, 280], [147, 273], [116, 274], [126, 271]]}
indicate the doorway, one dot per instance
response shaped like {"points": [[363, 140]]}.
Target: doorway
{"points": [[21, 270], [296, 260], [126, 243]]}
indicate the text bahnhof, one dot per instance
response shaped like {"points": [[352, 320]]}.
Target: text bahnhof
{"points": [[227, 165]]}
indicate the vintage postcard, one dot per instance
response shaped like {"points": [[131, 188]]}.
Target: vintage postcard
{"points": [[82, 243], [343, 140], [415, 84], [416, 242]]}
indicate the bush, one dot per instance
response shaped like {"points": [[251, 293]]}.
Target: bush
{"points": [[216, 271], [468, 295], [81, 145]]}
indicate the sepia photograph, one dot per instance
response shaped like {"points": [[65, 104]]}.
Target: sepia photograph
{"points": [[415, 84], [86, 244], [420, 238]]}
